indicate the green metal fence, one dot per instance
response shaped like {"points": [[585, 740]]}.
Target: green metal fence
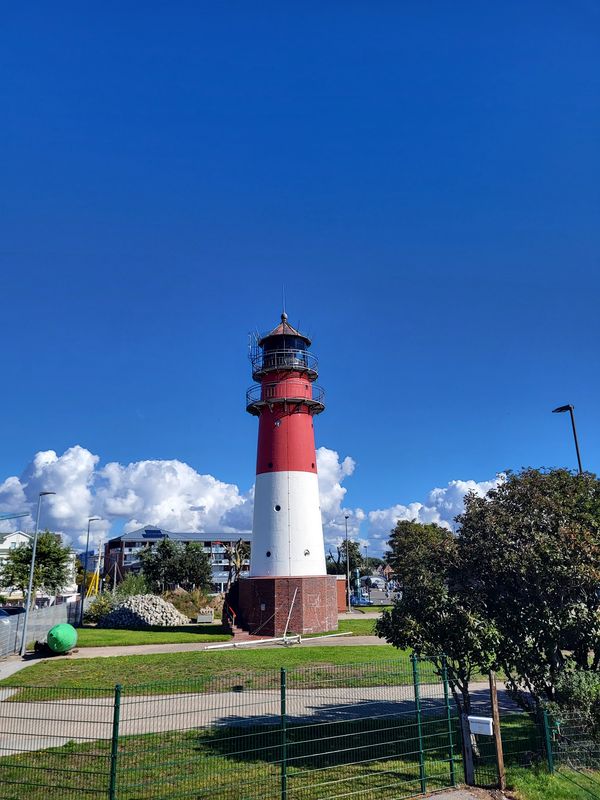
{"points": [[573, 747], [380, 731], [522, 744], [574, 740]]}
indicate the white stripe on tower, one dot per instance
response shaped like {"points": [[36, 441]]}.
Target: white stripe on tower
{"points": [[287, 529]]}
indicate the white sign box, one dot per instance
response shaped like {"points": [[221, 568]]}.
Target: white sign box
{"points": [[484, 725]]}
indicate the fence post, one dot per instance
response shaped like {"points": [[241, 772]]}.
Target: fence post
{"points": [[497, 731], [283, 686], [114, 748], [449, 721], [548, 741], [415, 670]]}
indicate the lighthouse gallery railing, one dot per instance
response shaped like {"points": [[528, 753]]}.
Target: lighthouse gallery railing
{"points": [[295, 391], [272, 360]]}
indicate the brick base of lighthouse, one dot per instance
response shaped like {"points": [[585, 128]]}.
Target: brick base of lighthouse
{"points": [[264, 604]]}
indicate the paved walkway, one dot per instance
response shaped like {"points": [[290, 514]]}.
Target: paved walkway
{"points": [[35, 725]]}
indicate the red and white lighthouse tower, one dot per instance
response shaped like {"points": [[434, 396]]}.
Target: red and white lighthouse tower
{"points": [[287, 567]]}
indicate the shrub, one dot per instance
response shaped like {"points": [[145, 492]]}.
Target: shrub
{"points": [[103, 604], [578, 692], [188, 603], [131, 585]]}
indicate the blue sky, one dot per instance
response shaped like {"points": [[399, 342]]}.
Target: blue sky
{"points": [[423, 178]]}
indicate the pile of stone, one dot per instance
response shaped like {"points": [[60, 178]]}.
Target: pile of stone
{"points": [[143, 611]]}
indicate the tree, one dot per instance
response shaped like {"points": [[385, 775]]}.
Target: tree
{"points": [[196, 571], [516, 589], [171, 563], [237, 554], [373, 563], [159, 564], [534, 543], [431, 615], [336, 564], [51, 572]]}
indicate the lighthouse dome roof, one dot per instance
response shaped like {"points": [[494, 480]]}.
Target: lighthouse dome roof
{"points": [[284, 329]]}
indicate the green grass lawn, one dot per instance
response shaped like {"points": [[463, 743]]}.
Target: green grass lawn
{"points": [[357, 627], [215, 670], [565, 784], [372, 758], [102, 637]]}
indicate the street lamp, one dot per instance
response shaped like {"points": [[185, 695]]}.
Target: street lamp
{"points": [[85, 569], [368, 581], [31, 569], [347, 565], [569, 408]]}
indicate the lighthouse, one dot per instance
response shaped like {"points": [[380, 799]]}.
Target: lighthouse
{"points": [[287, 584]]}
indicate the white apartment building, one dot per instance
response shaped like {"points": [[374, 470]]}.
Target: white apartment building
{"points": [[10, 541]]}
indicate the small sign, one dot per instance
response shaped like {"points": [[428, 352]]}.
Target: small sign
{"points": [[482, 725]]}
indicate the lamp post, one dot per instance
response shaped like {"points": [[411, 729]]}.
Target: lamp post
{"points": [[347, 565], [31, 569], [569, 408], [85, 568], [367, 570]]}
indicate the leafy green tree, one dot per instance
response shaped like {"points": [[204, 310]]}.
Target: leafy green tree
{"points": [[531, 553], [196, 572], [52, 566], [160, 564], [431, 615], [372, 563], [171, 563], [516, 589], [336, 563]]}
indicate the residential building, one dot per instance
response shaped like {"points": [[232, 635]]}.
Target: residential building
{"points": [[8, 542], [122, 553]]}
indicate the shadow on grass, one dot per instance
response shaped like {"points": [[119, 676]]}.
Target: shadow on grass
{"points": [[335, 734]]}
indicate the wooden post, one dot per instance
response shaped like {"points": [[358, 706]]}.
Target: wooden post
{"points": [[467, 750], [497, 732]]}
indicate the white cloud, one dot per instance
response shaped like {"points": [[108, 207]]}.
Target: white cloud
{"points": [[449, 500], [71, 476], [166, 493], [332, 473], [442, 506], [173, 495]]}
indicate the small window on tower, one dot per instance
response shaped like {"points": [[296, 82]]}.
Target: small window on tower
{"points": [[277, 508], [312, 465], [268, 554], [270, 465]]}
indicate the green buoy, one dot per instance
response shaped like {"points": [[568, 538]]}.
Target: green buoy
{"points": [[62, 638]]}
